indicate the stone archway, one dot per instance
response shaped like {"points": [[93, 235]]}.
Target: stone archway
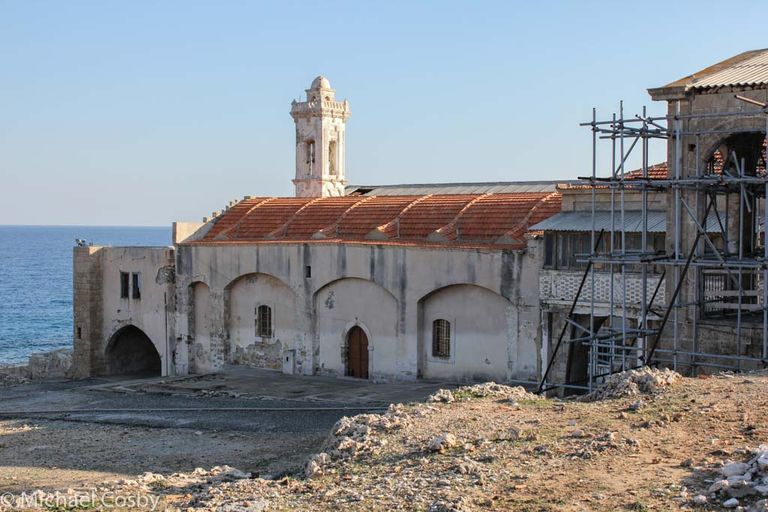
{"points": [[131, 352]]}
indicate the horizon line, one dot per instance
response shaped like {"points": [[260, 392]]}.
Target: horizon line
{"points": [[84, 226]]}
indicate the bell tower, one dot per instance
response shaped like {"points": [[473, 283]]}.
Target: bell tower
{"points": [[321, 121]]}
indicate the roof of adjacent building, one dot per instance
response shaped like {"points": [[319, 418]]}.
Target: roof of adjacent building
{"points": [[498, 221], [743, 70], [581, 221], [656, 221], [494, 187]]}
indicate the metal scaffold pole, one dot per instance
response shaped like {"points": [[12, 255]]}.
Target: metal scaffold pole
{"points": [[708, 281]]}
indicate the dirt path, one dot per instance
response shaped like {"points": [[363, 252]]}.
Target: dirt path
{"points": [[58, 454]]}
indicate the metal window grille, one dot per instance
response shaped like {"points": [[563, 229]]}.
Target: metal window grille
{"points": [[441, 338], [264, 321]]}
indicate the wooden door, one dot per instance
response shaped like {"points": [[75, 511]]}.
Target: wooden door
{"points": [[357, 353]]}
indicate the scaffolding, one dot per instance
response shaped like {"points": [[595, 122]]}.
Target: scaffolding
{"points": [[714, 263]]}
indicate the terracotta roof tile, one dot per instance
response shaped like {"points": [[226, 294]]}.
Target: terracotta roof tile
{"points": [[461, 220]]}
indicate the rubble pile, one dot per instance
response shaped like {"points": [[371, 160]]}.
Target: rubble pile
{"points": [[441, 395], [216, 474], [645, 380], [356, 435], [146, 484], [487, 389], [741, 480]]}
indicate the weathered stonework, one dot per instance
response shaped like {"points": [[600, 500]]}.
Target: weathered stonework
{"points": [[101, 313]]}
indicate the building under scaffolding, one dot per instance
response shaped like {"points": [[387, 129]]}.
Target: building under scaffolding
{"points": [[665, 264]]}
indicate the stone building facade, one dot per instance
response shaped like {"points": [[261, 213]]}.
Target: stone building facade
{"points": [[402, 282], [458, 281]]}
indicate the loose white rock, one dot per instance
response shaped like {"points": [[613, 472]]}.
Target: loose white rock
{"points": [[442, 442], [734, 469]]}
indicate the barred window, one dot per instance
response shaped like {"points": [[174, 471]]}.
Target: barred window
{"points": [[441, 338], [264, 321]]}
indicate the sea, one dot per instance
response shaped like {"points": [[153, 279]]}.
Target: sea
{"points": [[36, 281]]}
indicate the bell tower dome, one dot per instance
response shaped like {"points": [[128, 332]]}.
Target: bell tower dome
{"points": [[321, 121]]}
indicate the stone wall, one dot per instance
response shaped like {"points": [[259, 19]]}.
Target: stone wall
{"points": [[319, 291], [87, 305], [100, 311]]}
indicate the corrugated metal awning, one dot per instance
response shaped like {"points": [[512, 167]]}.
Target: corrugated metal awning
{"points": [[582, 221], [633, 222]]}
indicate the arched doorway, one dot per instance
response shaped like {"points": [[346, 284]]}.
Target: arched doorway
{"points": [[131, 352], [357, 353]]}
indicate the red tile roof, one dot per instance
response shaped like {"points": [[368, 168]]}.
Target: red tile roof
{"points": [[459, 220], [660, 171]]}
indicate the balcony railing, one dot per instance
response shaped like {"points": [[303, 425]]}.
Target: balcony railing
{"points": [[561, 286], [319, 105], [723, 296]]}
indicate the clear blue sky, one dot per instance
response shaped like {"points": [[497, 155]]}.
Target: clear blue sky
{"points": [[141, 112]]}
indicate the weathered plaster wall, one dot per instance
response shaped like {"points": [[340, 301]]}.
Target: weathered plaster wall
{"points": [[345, 303], [200, 330], [317, 292], [579, 199], [378, 287], [480, 332], [246, 294], [100, 312]]}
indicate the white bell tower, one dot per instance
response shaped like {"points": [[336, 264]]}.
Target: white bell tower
{"points": [[320, 141]]}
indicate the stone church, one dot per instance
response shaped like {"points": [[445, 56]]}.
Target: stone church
{"points": [[398, 282]]}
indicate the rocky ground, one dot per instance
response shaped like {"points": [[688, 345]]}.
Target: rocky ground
{"points": [[650, 441]]}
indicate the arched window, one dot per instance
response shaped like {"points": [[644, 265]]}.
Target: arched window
{"points": [[309, 154], [264, 321], [441, 338], [332, 158]]}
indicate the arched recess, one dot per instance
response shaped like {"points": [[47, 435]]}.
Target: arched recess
{"points": [[243, 297], [348, 302], [722, 152], [200, 357], [479, 325], [131, 352], [735, 214]]}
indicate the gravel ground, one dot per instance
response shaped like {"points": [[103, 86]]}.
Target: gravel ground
{"points": [[62, 450], [498, 448], [516, 452]]}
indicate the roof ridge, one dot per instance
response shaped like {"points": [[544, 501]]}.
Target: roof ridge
{"points": [[381, 231], [284, 228], [441, 232], [323, 232], [461, 183], [236, 225]]}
